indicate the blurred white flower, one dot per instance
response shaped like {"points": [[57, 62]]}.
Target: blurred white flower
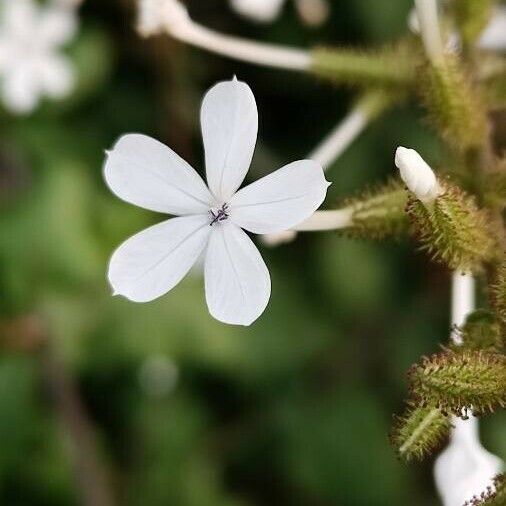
{"points": [[31, 65], [416, 173], [465, 469], [312, 12], [144, 172]]}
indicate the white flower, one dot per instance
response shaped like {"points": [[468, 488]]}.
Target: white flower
{"points": [[312, 12], [146, 173], [30, 64], [416, 173], [465, 469]]}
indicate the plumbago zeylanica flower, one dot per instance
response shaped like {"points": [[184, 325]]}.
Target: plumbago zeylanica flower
{"points": [[144, 172], [31, 65]]}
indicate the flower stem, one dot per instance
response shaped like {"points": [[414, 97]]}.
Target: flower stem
{"points": [[429, 27], [176, 22], [327, 220], [369, 106]]}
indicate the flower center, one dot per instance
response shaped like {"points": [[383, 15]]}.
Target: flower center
{"points": [[219, 215]]}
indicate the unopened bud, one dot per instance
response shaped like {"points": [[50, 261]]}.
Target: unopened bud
{"points": [[417, 175]]}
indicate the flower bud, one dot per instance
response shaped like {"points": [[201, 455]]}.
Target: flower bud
{"points": [[416, 173]]}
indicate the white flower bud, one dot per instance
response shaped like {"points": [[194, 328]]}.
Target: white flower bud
{"points": [[416, 173]]}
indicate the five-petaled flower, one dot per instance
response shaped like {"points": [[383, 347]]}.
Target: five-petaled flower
{"points": [[30, 63], [210, 219]]}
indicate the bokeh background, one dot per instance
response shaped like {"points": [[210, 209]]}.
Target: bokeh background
{"points": [[158, 400]]}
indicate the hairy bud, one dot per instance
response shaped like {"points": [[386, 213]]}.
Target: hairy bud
{"points": [[416, 173]]}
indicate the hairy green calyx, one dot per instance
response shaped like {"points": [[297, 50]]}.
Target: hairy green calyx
{"points": [[454, 105], [460, 381], [453, 230], [379, 213], [481, 331], [420, 431]]}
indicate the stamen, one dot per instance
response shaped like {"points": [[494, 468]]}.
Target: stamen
{"points": [[220, 215]]}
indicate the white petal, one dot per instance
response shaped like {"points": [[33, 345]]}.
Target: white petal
{"points": [[258, 10], [417, 174], [57, 25], [238, 285], [20, 90], [229, 120], [155, 260], [57, 76], [147, 173], [19, 17], [280, 200]]}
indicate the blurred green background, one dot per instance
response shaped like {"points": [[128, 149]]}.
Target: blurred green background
{"points": [[185, 411]]}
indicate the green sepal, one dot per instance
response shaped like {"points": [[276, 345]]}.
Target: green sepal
{"points": [[461, 381], [499, 293], [419, 431], [454, 105], [453, 230], [379, 213], [481, 331]]}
